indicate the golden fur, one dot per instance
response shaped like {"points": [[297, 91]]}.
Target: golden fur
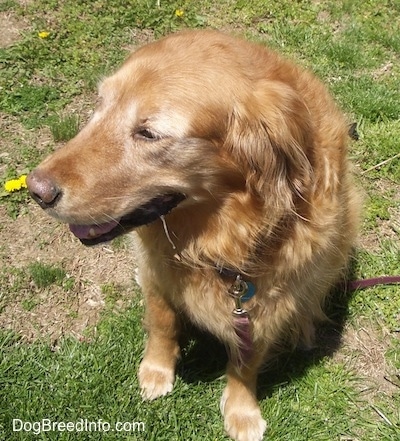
{"points": [[258, 147]]}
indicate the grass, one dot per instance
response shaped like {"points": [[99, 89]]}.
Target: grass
{"points": [[45, 275], [353, 46], [64, 128], [97, 380], [29, 283]]}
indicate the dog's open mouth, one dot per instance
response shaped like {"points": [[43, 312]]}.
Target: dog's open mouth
{"points": [[143, 215]]}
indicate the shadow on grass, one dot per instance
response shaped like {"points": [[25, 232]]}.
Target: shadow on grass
{"points": [[288, 366], [204, 358]]}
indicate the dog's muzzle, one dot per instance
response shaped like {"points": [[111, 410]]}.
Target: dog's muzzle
{"points": [[142, 215]]}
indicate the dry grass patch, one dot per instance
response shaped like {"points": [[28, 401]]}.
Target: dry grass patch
{"points": [[34, 312], [363, 352]]}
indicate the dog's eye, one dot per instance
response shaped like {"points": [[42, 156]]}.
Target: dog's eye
{"points": [[146, 134]]}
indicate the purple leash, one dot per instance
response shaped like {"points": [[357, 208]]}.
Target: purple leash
{"points": [[354, 285], [242, 291]]}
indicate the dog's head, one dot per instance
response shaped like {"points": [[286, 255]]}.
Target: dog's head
{"points": [[194, 117]]}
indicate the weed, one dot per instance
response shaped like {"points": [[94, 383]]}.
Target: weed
{"points": [[64, 128], [29, 304], [120, 243], [168, 17], [15, 163], [6, 5], [44, 275], [112, 293], [15, 201]]}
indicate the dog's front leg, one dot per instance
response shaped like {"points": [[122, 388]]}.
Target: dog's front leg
{"points": [[239, 406], [157, 369]]}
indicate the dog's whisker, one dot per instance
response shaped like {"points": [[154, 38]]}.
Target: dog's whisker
{"points": [[111, 218], [167, 232], [115, 198]]}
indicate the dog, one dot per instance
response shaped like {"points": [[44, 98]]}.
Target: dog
{"points": [[230, 163]]}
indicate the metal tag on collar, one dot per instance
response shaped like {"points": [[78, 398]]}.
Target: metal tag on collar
{"points": [[238, 290], [242, 289], [251, 290]]}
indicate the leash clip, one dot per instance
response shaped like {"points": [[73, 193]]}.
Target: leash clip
{"points": [[241, 323], [238, 290]]}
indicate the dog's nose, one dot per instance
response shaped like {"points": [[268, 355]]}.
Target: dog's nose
{"points": [[43, 189]]}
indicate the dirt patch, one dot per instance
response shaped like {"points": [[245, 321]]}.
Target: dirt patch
{"points": [[11, 29], [386, 229], [34, 237], [140, 37], [363, 351], [383, 71], [389, 229], [15, 138]]}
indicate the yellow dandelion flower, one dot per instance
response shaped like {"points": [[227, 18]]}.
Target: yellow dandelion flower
{"points": [[22, 180], [179, 13], [15, 184], [43, 34]]}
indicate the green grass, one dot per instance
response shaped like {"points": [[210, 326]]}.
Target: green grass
{"points": [[96, 379], [112, 293], [353, 46], [27, 283], [14, 201], [64, 128], [45, 275]]}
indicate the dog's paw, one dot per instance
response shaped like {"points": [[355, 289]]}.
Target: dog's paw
{"points": [[245, 426], [242, 421], [155, 381]]}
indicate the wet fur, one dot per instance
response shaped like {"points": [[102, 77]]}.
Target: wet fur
{"points": [[259, 148]]}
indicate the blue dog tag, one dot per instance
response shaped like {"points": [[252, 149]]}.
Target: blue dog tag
{"points": [[251, 290]]}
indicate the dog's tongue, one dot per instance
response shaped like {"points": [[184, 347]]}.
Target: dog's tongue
{"points": [[92, 231]]}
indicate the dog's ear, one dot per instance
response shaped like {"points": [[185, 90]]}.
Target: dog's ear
{"points": [[270, 134]]}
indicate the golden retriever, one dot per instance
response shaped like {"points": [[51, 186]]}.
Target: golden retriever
{"points": [[231, 164]]}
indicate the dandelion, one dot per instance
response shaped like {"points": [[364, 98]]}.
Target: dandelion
{"points": [[43, 34], [15, 184], [179, 13]]}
